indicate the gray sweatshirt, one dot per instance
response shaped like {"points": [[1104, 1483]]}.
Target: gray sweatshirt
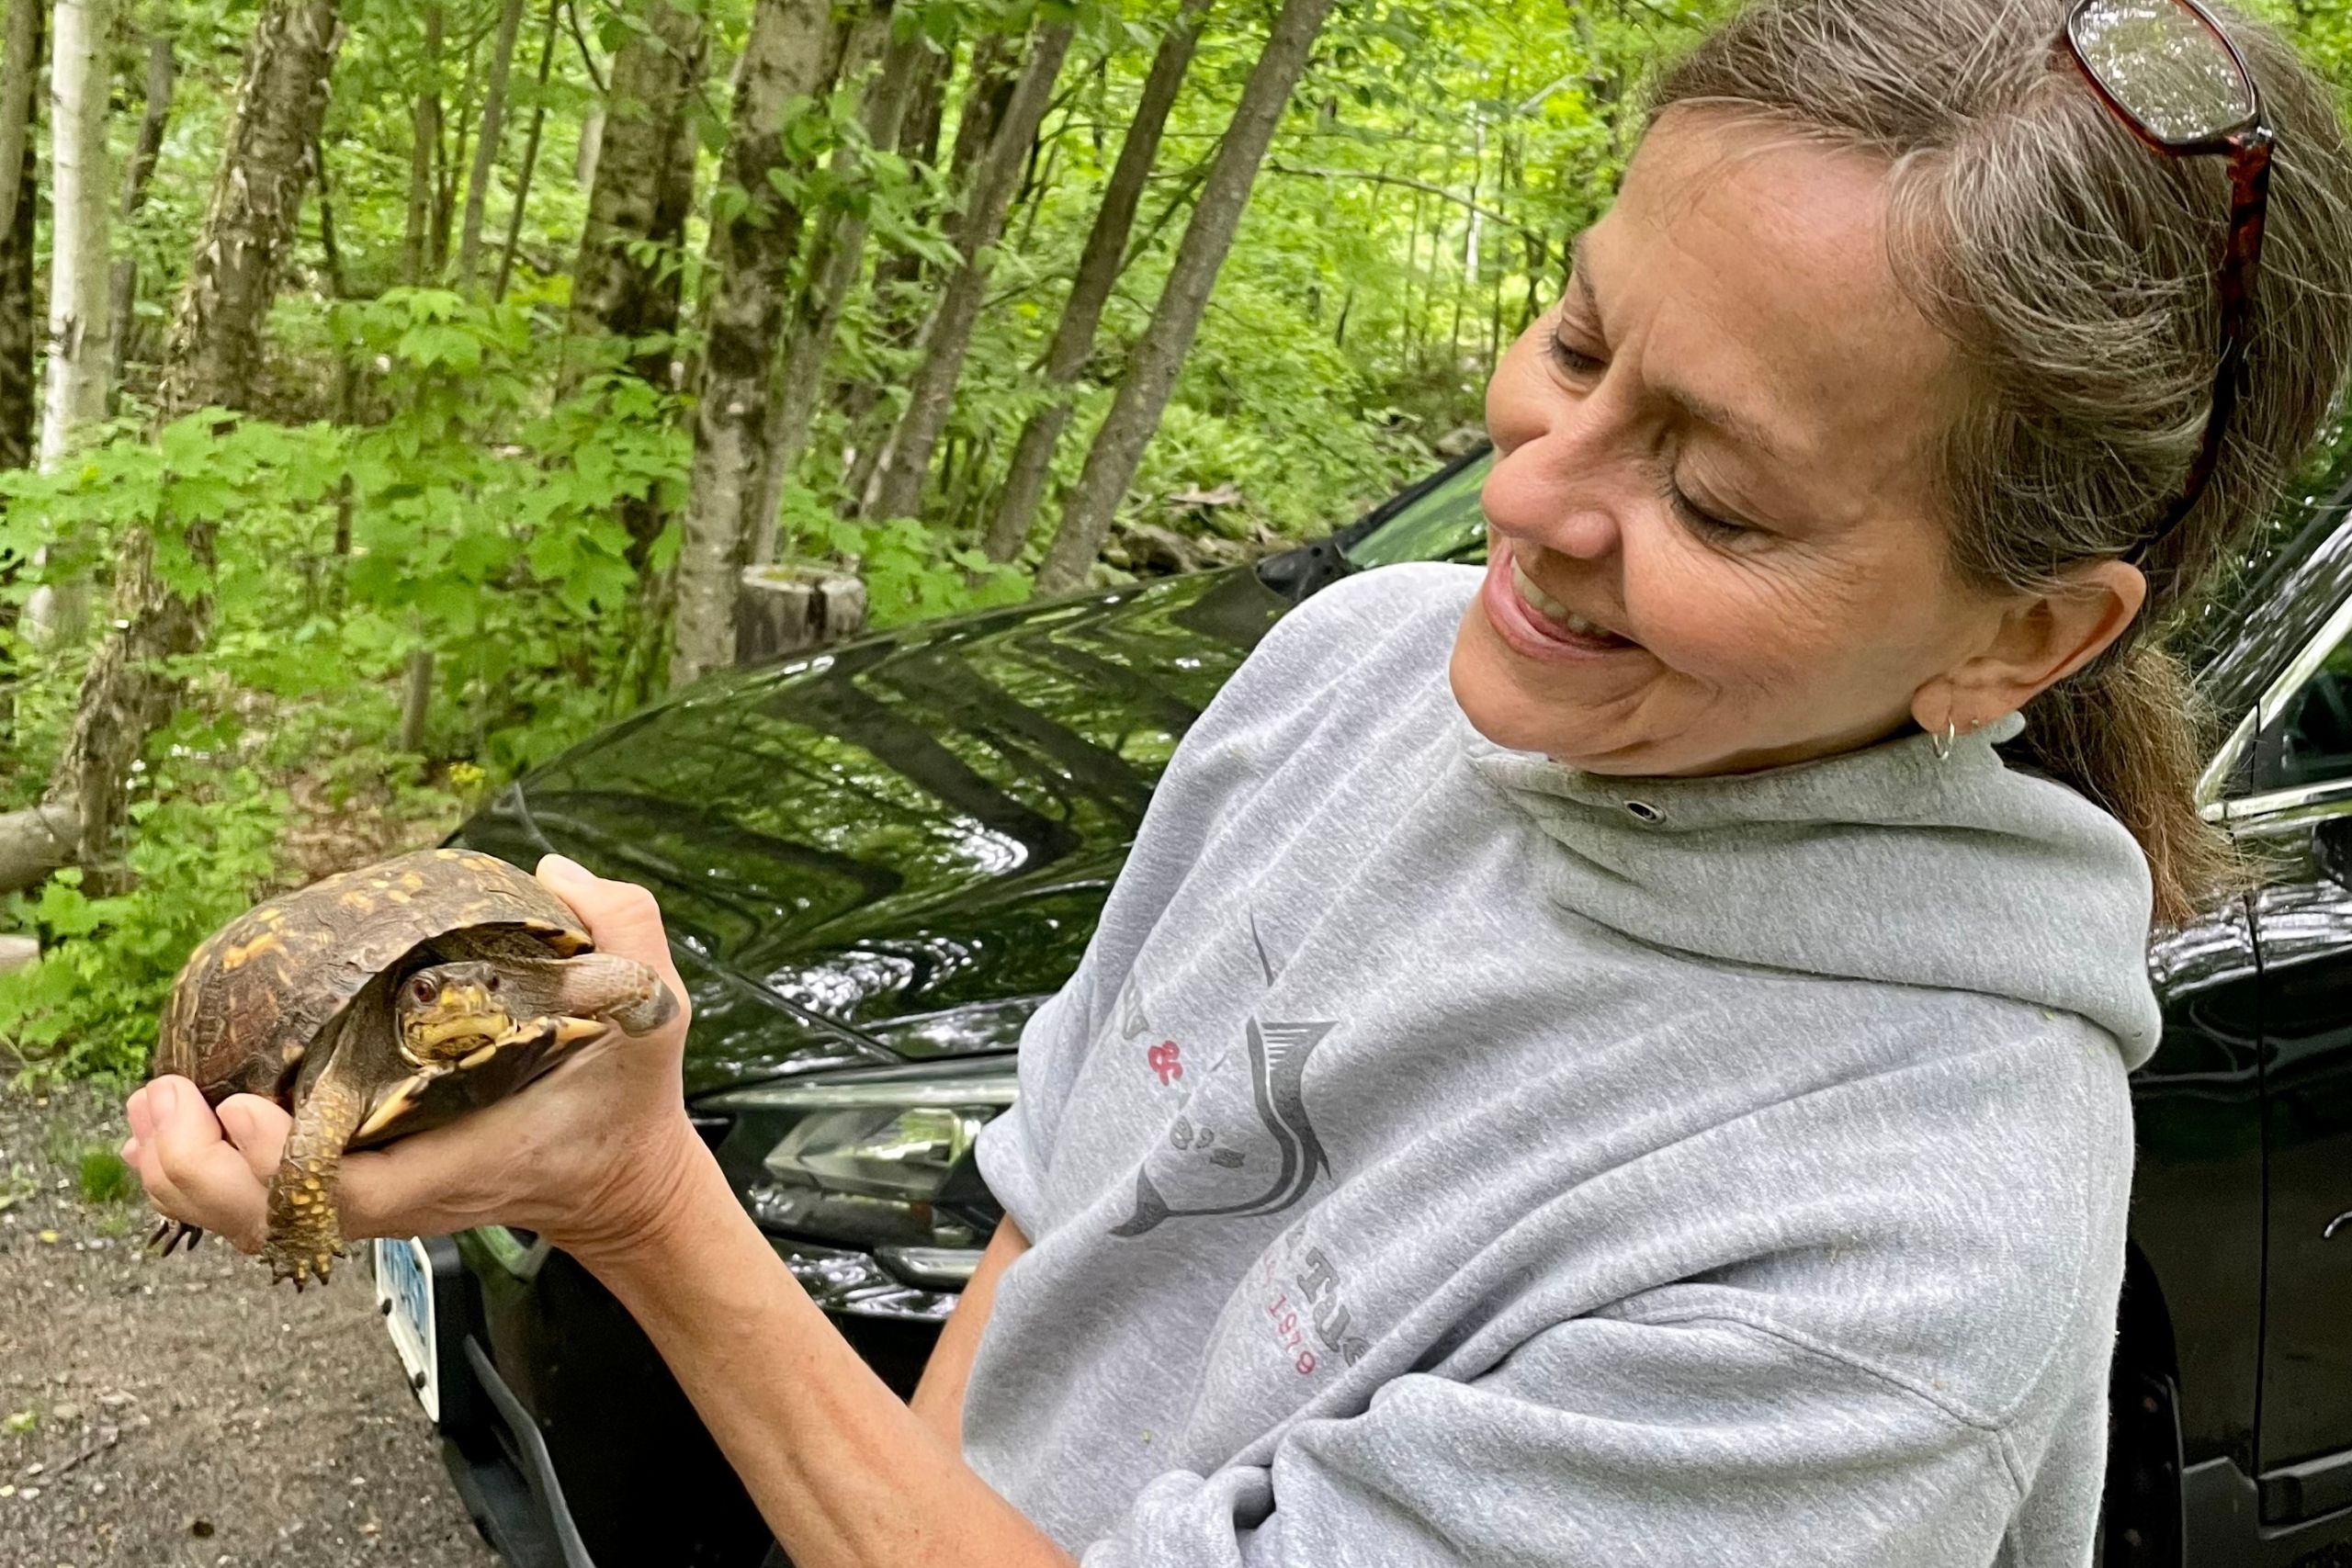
{"points": [[1442, 1156]]}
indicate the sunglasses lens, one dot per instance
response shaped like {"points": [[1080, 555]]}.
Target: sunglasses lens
{"points": [[2160, 61]]}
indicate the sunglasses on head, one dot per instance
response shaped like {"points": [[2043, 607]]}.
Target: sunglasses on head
{"points": [[2169, 72]]}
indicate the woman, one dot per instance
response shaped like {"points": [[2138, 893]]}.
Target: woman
{"points": [[1601, 1060]]}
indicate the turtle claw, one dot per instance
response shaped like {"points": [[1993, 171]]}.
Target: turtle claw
{"points": [[174, 1233], [300, 1260]]}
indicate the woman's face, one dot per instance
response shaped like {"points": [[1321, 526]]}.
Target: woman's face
{"points": [[1714, 544]]}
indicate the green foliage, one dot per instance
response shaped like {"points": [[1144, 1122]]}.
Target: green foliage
{"points": [[436, 492], [911, 572], [87, 1009], [102, 1177]]}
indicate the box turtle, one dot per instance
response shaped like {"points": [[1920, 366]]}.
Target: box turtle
{"points": [[383, 1001]]}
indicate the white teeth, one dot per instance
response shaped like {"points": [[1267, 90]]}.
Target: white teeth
{"points": [[1553, 610]]}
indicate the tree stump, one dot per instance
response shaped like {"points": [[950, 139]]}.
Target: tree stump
{"points": [[787, 605]]}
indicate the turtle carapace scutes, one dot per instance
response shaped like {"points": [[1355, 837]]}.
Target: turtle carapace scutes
{"points": [[383, 1001]]}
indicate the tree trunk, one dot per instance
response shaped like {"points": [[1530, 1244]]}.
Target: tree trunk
{"points": [[644, 187], [834, 260], [896, 489], [20, 199], [449, 159], [1150, 376], [76, 391], [645, 170], [530, 157], [162, 68], [19, 90], [494, 116], [897, 267], [210, 360], [783, 59], [424, 156], [1098, 269]]}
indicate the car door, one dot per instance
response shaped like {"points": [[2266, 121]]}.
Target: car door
{"points": [[2297, 819]]}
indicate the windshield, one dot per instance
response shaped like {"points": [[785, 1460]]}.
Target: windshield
{"points": [[1442, 523]]}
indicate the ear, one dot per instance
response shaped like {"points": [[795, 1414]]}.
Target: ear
{"points": [[2039, 640]]}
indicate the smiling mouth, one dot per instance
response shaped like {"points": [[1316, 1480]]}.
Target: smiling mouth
{"points": [[1558, 615]]}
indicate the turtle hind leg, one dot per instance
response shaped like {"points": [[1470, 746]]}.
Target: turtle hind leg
{"points": [[305, 1237]]}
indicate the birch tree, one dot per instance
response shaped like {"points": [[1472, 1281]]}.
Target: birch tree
{"points": [[783, 62], [1152, 364], [160, 601], [1098, 270], [78, 274]]}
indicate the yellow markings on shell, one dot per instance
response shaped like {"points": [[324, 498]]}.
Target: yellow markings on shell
{"points": [[412, 881], [237, 957]]}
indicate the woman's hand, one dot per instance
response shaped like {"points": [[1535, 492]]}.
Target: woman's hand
{"points": [[593, 1155]]}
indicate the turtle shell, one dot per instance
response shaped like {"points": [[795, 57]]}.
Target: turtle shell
{"points": [[253, 997]]}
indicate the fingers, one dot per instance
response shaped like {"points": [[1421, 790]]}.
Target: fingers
{"points": [[621, 917], [191, 1171]]}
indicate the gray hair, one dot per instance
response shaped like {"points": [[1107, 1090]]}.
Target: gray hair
{"points": [[2076, 272]]}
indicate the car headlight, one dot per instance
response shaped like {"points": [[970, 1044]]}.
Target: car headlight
{"points": [[881, 1164]]}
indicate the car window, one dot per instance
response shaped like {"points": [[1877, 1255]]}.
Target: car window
{"points": [[1443, 522], [2310, 742]]}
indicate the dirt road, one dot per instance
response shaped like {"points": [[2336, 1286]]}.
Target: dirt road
{"points": [[179, 1412]]}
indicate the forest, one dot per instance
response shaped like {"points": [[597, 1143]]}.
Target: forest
{"points": [[394, 392]]}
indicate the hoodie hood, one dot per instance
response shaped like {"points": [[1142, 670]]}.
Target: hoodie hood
{"points": [[1884, 864]]}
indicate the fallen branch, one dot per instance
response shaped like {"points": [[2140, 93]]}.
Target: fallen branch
{"points": [[36, 842]]}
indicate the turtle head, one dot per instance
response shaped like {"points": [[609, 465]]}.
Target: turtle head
{"points": [[449, 1011]]}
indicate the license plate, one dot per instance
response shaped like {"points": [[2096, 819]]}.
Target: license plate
{"points": [[404, 1296]]}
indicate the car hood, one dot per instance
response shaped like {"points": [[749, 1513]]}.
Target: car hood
{"points": [[898, 847]]}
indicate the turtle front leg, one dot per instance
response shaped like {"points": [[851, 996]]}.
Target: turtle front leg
{"points": [[304, 1236]]}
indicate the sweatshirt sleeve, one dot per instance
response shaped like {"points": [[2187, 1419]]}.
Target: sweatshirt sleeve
{"points": [[1014, 1149], [1604, 1442]]}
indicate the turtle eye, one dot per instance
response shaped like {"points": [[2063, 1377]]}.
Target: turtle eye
{"points": [[491, 985], [422, 988]]}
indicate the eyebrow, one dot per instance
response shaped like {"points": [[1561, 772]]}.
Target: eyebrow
{"points": [[1705, 411]]}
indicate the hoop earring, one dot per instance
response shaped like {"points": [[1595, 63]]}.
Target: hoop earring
{"points": [[1941, 745]]}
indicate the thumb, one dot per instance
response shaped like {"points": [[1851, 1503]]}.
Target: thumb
{"points": [[258, 1128], [621, 917]]}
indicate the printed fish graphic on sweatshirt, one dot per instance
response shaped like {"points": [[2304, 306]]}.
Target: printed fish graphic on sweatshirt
{"points": [[1225, 1154]]}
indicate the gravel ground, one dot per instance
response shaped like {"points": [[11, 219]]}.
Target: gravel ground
{"points": [[179, 1412]]}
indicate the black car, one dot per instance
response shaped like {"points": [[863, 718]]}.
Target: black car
{"points": [[876, 861]]}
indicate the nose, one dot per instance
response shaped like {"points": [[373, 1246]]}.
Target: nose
{"points": [[1568, 489]]}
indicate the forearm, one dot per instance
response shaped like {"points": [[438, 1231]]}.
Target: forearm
{"points": [[939, 1397], [823, 1445]]}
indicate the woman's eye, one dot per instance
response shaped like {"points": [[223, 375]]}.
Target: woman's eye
{"points": [[1574, 360], [1698, 519]]}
